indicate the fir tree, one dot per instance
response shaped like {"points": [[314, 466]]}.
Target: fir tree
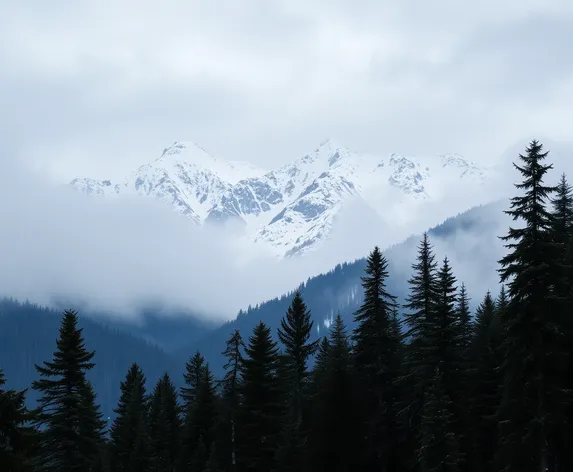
{"points": [[194, 371], [464, 317], [129, 435], [199, 422], [439, 449], [486, 381], [419, 357], [73, 428], [320, 362], [17, 440], [334, 427], [164, 425], [562, 235], [226, 456], [260, 409], [533, 403], [376, 363], [562, 216], [294, 333]]}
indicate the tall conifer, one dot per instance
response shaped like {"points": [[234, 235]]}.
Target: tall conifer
{"points": [[533, 403], [294, 333], [376, 364], [72, 422], [261, 406]]}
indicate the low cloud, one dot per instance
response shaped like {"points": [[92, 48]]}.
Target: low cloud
{"points": [[114, 254]]}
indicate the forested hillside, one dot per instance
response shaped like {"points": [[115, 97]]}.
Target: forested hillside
{"points": [[339, 291], [27, 337], [431, 391]]}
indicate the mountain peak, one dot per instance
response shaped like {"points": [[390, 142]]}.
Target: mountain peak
{"points": [[188, 150]]}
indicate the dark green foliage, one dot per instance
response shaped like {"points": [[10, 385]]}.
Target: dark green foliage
{"points": [[464, 316], [485, 352], [27, 334], [294, 333], [226, 441], [422, 304], [376, 363], [199, 406], [72, 423], [439, 449], [334, 423], [129, 446], [419, 355], [449, 334], [164, 426], [261, 406], [533, 403], [17, 441]]}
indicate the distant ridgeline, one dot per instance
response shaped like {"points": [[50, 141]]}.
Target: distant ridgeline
{"points": [[340, 290], [163, 344], [28, 336]]}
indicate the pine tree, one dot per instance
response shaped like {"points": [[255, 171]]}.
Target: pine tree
{"points": [[194, 371], [261, 408], [199, 421], [464, 317], [376, 363], [129, 435], [17, 441], [562, 235], [562, 215], [439, 449], [294, 333], [419, 354], [226, 456], [164, 425], [448, 334], [486, 380], [533, 403], [73, 428], [334, 427], [320, 363]]}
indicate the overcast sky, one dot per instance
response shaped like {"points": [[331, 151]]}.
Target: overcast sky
{"points": [[98, 88]]}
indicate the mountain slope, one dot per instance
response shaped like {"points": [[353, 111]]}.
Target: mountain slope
{"points": [[470, 240], [28, 336], [291, 210]]}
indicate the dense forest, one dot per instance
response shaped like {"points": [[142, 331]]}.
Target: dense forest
{"points": [[423, 385]]}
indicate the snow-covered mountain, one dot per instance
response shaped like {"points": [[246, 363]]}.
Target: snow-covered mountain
{"points": [[291, 210]]}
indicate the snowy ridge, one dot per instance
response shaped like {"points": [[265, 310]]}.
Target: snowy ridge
{"points": [[289, 210]]}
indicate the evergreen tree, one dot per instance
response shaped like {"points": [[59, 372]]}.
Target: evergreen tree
{"points": [[194, 372], [419, 355], [533, 404], [73, 428], [486, 380], [448, 335], [377, 365], [17, 440], [562, 216], [333, 433], [439, 449], [164, 425], [261, 405], [464, 317], [129, 435], [320, 362], [562, 235], [199, 421], [294, 333], [226, 456]]}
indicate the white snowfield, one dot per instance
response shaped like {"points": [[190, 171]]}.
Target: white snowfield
{"points": [[291, 210]]}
